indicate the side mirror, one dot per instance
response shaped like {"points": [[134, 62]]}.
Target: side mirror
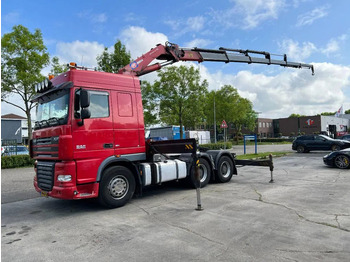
{"points": [[84, 98], [85, 113]]}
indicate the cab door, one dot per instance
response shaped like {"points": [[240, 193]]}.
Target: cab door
{"points": [[126, 125], [93, 140]]}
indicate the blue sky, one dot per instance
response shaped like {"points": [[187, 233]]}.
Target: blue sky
{"points": [[310, 31]]}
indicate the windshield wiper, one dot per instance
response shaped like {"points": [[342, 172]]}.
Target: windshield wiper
{"points": [[55, 120]]}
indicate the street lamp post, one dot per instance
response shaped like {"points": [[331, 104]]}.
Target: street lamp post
{"points": [[214, 121]]}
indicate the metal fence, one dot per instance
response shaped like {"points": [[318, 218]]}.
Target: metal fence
{"points": [[10, 148]]}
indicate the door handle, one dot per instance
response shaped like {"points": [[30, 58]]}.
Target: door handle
{"points": [[108, 145]]}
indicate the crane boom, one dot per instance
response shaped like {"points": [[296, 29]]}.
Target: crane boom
{"points": [[171, 53]]}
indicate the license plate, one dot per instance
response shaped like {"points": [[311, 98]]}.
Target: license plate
{"points": [[44, 194]]}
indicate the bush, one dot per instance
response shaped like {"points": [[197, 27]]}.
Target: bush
{"points": [[16, 161], [217, 146]]}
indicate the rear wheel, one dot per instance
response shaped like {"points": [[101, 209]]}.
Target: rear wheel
{"points": [[225, 169], [335, 148], [204, 173], [342, 161], [117, 187], [301, 149]]}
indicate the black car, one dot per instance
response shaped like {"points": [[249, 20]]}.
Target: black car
{"points": [[345, 137], [303, 144], [340, 159]]}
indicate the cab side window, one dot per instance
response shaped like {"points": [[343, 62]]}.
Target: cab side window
{"points": [[99, 104]]}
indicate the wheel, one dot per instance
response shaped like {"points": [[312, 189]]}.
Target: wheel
{"points": [[301, 149], [117, 187], [225, 169], [204, 173], [335, 148], [342, 161]]}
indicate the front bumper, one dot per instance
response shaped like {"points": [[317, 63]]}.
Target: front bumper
{"points": [[70, 192], [47, 184], [328, 160]]}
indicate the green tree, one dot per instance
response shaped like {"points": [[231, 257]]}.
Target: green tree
{"points": [[347, 111], [182, 95], [112, 62], [232, 108], [56, 67], [23, 56], [150, 104], [295, 115], [328, 113]]}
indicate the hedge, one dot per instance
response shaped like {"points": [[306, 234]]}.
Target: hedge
{"points": [[217, 146], [16, 161]]}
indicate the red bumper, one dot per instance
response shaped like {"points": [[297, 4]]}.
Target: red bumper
{"points": [[69, 189], [70, 192]]}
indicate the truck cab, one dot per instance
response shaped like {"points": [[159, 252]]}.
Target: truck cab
{"points": [[73, 148]]}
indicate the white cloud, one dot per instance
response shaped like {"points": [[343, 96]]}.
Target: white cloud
{"points": [[139, 41], [93, 17], [198, 42], [182, 26], [300, 51], [296, 51], [11, 18], [291, 91], [83, 53], [195, 24], [248, 14], [309, 17]]}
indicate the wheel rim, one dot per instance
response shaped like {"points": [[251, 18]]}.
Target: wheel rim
{"points": [[118, 187], [225, 169], [203, 173], [341, 161], [300, 149]]}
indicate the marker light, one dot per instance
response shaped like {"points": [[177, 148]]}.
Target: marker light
{"points": [[64, 178]]}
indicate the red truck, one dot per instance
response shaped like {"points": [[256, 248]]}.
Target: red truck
{"points": [[89, 137]]}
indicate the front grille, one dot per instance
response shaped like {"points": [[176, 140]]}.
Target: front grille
{"points": [[45, 175], [45, 147]]}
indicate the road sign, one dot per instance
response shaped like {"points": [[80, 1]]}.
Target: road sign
{"points": [[223, 124]]}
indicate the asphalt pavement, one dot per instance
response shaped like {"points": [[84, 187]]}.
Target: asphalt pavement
{"points": [[303, 216]]}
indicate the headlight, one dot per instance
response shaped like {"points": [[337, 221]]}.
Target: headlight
{"points": [[64, 178]]}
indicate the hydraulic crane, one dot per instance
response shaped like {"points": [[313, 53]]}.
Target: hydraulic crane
{"points": [[172, 53], [89, 140]]}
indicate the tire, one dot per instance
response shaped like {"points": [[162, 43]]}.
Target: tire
{"points": [[301, 149], [335, 147], [225, 169], [204, 172], [116, 187], [342, 161]]}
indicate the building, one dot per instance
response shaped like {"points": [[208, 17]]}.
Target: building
{"points": [[289, 127], [329, 125], [14, 127]]}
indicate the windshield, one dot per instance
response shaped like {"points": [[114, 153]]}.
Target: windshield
{"points": [[52, 110], [326, 137]]}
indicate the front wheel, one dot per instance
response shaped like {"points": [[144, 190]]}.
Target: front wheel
{"points": [[225, 169], [117, 187], [342, 162], [300, 149]]}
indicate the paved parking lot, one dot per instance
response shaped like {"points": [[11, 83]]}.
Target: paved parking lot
{"points": [[303, 216]]}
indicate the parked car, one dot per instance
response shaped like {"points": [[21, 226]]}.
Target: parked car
{"points": [[303, 144], [14, 150], [345, 137], [340, 159]]}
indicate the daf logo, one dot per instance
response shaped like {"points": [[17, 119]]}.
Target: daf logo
{"points": [[81, 147]]}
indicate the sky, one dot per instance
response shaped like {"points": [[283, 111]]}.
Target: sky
{"points": [[308, 31]]}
